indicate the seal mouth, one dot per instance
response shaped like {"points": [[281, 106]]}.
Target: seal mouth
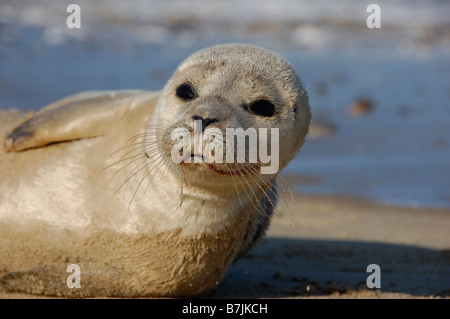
{"points": [[242, 172], [192, 159], [239, 172]]}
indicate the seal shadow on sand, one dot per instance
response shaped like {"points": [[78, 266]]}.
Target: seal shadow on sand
{"points": [[281, 267]]}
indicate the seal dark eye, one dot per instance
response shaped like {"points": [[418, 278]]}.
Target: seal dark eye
{"points": [[262, 108], [185, 92]]}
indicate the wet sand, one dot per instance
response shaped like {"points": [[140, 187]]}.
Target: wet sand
{"points": [[321, 246]]}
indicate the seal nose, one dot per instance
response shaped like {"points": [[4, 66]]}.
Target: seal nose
{"points": [[205, 122]]}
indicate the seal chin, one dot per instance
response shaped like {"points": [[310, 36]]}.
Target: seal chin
{"points": [[193, 159]]}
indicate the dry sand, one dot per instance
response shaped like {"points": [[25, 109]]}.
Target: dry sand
{"points": [[323, 247], [320, 248]]}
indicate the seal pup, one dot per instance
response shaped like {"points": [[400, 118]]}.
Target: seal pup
{"points": [[90, 180]]}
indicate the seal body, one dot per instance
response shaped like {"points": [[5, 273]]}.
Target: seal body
{"points": [[90, 180]]}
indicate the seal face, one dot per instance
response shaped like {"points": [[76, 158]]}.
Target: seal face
{"points": [[234, 86], [150, 193]]}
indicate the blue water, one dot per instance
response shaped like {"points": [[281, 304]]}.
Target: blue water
{"points": [[398, 154]]}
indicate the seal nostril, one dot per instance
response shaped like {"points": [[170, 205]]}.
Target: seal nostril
{"points": [[205, 122]]}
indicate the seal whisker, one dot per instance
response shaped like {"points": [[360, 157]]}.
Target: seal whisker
{"points": [[255, 196], [145, 141], [236, 189], [131, 159], [124, 148], [285, 184], [137, 148], [149, 169], [183, 177], [145, 163], [257, 178], [133, 172], [125, 156], [269, 185], [144, 135], [264, 192], [285, 187], [154, 167], [136, 170], [138, 186], [127, 145], [282, 182]]}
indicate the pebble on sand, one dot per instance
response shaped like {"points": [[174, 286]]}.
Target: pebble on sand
{"points": [[361, 106]]}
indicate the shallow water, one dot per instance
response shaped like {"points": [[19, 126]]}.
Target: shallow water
{"points": [[396, 154]]}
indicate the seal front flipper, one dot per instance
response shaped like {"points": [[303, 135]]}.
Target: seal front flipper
{"points": [[87, 114], [95, 279]]}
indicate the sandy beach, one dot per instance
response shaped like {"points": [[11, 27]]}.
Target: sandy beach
{"points": [[323, 249], [321, 246]]}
